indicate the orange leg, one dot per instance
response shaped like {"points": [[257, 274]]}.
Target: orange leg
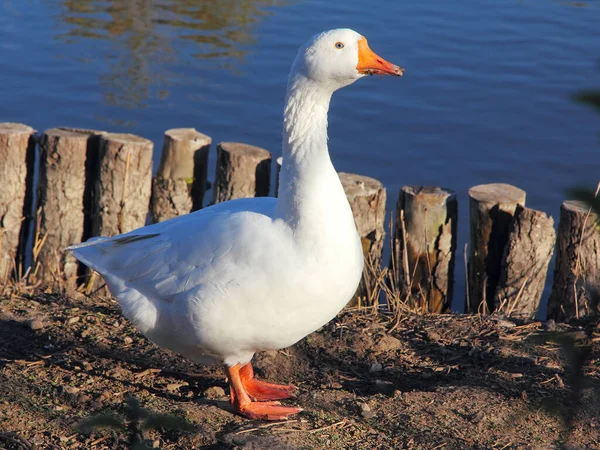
{"points": [[261, 390], [244, 406]]}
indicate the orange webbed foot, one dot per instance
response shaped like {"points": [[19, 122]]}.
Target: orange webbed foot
{"points": [[245, 388], [266, 411], [261, 390]]}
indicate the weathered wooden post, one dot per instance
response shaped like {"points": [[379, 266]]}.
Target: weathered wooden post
{"points": [[492, 207], [67, 176], [423, 246], [367, 200], [180, 182], [524, 265], [122, 192], [243, 171], [576, 288], [17, 156]]}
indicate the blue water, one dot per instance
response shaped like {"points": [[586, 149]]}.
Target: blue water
{"points": [[486, 96]]}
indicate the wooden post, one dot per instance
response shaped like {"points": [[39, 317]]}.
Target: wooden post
{"points": [[367, 200], [124, 183], [576, 289], [279, 163], [180, 181], [17, 156], [423, 246], [525, 262], [492, 207], [243, 171], [67, 176]]}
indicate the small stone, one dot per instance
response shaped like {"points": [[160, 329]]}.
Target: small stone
{"points": [[71, 389], [83, 398], [550, 325], [76, 295], [87, 332], [375, 367], [505, 323], [366, 412], [477, 417], [433, 336], [387, 343], [175, 386], [35, 324], [214, 392], [127, 340], [73, 320]]}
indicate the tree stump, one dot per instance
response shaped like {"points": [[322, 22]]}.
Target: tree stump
{"points": [[66, 180], [17, 156], [423, 246], [492, 207], [525, 262], [180, 182], [576, 289], [243, 171], [279, 163], [367, 198], [123, 186]]}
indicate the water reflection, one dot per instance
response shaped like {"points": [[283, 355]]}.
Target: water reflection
{"points": [[146, 35]]}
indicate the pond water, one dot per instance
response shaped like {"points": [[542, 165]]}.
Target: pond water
{"points": [[486, 96]]}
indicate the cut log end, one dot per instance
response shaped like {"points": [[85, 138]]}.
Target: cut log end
{"points": [[496, 193], [245, 150], [188, 134], [126, 138], [15, 128]]}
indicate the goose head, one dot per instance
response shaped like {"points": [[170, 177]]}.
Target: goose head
{"points": [[337, 58]]}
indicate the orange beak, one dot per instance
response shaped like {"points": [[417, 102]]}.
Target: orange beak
{"points": [[371, 64]]}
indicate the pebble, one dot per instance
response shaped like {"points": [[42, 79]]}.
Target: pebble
{"points": [[433, 336], [35, 324], [71, 389], [127, 340], [171, 387], [214, 392], [375, 367], [366, 412], [388, 343], [73, 320]]}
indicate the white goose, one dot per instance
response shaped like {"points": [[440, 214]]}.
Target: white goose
{"points": [[253, 274]]}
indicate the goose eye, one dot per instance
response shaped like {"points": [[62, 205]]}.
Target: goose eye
{"points": [[339, 45]]}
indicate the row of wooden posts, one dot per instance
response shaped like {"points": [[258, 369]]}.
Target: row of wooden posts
{"points": [[93, 183]]}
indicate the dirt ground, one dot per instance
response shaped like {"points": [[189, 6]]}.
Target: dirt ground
{"points": [[432, 382]]}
